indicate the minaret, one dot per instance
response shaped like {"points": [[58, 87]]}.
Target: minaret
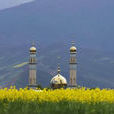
{"points": [[32, 66], [73, 66]]}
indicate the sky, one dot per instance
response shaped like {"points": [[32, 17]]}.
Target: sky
{"points": [[11, 3]]}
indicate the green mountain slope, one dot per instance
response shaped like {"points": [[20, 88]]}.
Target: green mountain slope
{"points": [[95, 69]]}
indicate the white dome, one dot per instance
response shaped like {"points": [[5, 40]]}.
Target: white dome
{"points": [[58, 79]]}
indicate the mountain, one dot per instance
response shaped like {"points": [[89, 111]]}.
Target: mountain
{"points": [[90, 23], [53, 25]]}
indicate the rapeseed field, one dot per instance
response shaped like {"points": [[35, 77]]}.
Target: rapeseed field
{"points": [[59, 101]]}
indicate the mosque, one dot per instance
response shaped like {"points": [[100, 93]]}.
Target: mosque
{"points": [[57, 81]]}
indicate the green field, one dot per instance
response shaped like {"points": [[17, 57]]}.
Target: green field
{"points": [[55, 108]]}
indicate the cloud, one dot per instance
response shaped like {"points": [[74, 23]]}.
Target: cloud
{"points": [[11, 3]]}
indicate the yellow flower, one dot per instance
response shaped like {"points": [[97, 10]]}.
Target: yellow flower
{"points": [[78, 95]]}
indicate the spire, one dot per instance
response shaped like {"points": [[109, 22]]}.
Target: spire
{"points": [[33, 43], [59, 70], [73, 43]]}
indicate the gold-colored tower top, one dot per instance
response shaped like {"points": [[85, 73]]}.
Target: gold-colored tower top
{"points": [[33, 48], [73, 48]]}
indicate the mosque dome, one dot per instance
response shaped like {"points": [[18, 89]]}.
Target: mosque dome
{"points": [[58, 81], [73, 49]]}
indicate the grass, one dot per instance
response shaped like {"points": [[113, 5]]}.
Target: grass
{"points": [[63, 107]]}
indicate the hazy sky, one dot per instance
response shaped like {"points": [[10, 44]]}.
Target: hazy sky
{"points": [[10, 3]]}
